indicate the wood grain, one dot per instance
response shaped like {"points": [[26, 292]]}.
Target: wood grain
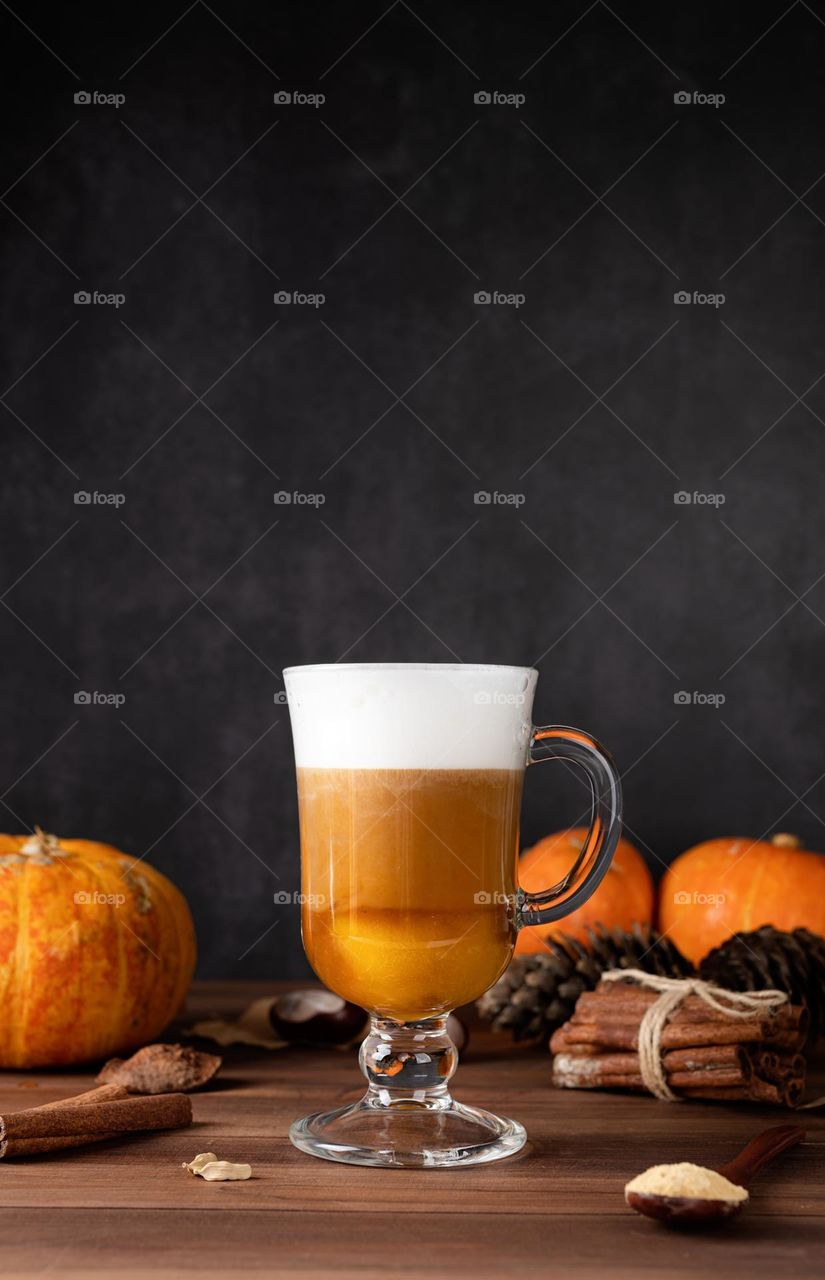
{"points": [[128, 1209]]}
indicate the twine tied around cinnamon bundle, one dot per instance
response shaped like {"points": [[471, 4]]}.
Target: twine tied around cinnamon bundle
{"points": [[736, 1005]]}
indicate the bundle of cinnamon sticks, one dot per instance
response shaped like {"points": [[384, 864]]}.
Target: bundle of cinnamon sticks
{"points": [[705, 1053], [106, 1112]]}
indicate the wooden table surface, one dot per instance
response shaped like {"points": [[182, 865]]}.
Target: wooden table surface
{"points": [[128, 1208]]}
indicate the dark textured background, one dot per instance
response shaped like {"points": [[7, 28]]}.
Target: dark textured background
{"points": [[399, 198]]}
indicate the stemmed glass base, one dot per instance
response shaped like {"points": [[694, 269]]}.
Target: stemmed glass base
{"points": [[407, 1119]]}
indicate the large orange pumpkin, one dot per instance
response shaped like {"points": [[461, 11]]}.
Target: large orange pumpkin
{"points": [[624, 897], [734, 885], [96, 951]]}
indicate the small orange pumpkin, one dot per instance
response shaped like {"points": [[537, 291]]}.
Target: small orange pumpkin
{"points": [[97, 951], [733, 885], [624, 897]]}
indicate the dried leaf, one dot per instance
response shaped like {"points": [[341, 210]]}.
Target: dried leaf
{"points": [[161, 1068], [253, 1027]]}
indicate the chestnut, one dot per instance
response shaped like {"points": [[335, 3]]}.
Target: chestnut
{"points": [[317, 1017]]}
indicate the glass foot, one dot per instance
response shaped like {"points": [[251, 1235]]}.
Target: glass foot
{"points": [[408, 1119], [406, 1135]]}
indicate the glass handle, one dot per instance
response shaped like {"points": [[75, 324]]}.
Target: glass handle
{"points": [[558, 742]]}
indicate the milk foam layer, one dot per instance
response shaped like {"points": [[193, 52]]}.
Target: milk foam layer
{"points": [[410, 716]]}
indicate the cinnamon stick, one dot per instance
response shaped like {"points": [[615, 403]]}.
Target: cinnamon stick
{"points": [[91, 1117], [101, 1093], [791, 1066], [793, 1091], [788, 1040], [788, 1095], [697, 1057], [629, 1081], [696, 1060], [40, 1146], [765, 1061], [618, 1002], [778, 1067], [724, 1084], [621, 1002], [705, 1052], [674, 1035], [594, 1073]]}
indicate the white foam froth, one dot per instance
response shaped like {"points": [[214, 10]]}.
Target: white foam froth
{"points": [[410, 716]]}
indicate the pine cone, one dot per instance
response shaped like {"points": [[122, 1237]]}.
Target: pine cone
{"points": [[537, 993], [768, 957]]}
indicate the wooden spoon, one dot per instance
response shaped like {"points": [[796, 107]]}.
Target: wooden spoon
{"points": [[760, 1151]]}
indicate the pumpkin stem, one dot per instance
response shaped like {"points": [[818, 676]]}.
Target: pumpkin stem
{"points": [[42, 844], [784, 840]]}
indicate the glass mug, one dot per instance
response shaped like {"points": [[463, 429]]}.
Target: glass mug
{"points": [[409, 790]]}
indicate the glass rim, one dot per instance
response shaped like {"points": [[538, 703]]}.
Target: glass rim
{"points": [[409, 666]]}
